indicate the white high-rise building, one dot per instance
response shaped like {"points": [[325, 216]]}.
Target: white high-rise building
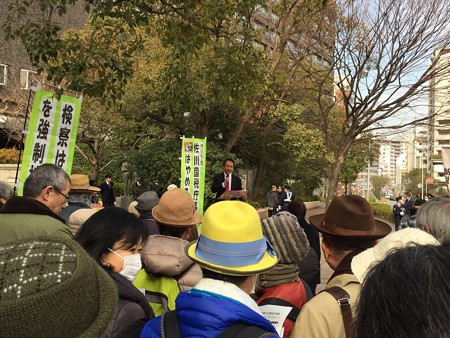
{"points": [[392, 161], [439, 111]]}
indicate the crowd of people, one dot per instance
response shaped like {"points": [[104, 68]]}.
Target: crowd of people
{"points": [[405, 209], [70, 270]]}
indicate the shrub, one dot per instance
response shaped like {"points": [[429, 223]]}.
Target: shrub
{"points": [[382, 211], [9, 156]]}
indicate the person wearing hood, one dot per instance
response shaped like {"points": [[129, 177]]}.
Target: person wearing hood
{"points": [[166, 268]]}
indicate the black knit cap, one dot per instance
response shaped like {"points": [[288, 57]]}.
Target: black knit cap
{"points": [[50, 287]]}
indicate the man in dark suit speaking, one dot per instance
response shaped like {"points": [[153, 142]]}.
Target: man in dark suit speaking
{"points": [[226, 180]]}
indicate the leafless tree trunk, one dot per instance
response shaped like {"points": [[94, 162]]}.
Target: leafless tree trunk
{"points": [[382, 65]]}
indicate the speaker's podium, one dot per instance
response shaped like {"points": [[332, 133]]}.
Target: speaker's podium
{"points": [[231, 195]]}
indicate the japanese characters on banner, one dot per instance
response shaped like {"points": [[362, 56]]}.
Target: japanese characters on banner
{"points": [[52, 132], [193, 165]]}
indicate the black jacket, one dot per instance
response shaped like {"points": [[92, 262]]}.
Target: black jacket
{"points": [[236, 184], [312, 235], [107, 192], [132, 310]]}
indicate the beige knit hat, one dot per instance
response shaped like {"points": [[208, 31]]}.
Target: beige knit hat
{"points": [[78, 217], [396, 240]]}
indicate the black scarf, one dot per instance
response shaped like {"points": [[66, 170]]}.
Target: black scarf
{"points": [[26, 205]]}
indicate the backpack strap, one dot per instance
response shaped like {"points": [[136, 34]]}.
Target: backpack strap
{"points": [[281, 302], [169, 325], [308, 291], [343, 299], [157, 298], [242, 330]]}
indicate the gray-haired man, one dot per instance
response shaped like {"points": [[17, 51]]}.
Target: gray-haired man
{"points": [[36, 213], [5, 193], [434, 218]]}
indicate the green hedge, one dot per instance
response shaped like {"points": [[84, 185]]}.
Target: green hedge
{"points": [[382, 211]]}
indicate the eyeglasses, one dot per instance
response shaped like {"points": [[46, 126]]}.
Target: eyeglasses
{"points": [[59, 192]]}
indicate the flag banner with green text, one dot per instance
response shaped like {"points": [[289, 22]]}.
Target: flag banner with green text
{"points": [[193, 166], [52, 133]]}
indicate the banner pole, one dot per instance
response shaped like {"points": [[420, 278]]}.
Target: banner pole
{"points": [[27, 109]]}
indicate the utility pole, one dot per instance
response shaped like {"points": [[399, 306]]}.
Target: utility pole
{"points": [[368, 172]]}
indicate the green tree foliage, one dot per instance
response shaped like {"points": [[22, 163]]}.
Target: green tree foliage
{"points": [[413, 178], [9, 156], [378, 184], [382, 211], [116, 33], [157, 165], [104, 138]]}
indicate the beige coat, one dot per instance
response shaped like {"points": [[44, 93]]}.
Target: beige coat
{"points": [[321, 317], [164, 255]]}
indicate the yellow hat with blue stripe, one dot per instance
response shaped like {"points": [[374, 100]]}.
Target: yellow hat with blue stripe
{"points": [[231, 241]]}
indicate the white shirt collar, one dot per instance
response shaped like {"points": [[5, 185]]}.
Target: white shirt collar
{"points": [[228, 290]]}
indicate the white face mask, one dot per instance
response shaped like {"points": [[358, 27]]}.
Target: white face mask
{"points": [[131, 265]]}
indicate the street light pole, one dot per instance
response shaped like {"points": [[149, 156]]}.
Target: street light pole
{"points": [[368, 172], [421, 182]]}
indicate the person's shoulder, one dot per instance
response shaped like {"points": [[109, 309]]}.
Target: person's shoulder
{"points": [[129, 310], [152, 328]]}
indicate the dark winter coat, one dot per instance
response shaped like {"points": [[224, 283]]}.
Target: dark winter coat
{"points": [[217, 187], [132, 311]]}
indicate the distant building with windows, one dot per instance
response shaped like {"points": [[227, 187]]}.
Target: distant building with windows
{"points": [[439, 112], [17, 74]]}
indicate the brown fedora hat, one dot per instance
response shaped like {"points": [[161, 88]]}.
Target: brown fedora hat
{"points": [[350, 216], [80, 182], [176, 207]]}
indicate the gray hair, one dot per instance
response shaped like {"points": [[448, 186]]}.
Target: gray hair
{"points": [[5, 190], [43, 176], [436, 214], [83, 197]]}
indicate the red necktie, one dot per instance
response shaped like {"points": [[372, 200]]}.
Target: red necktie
{"points": [[227, 185]]}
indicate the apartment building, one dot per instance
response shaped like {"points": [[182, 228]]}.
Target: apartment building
{"points": [[439, 112]]}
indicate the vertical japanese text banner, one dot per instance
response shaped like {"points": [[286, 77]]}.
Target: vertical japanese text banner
{"points": [[52, 133], [193, 165]]}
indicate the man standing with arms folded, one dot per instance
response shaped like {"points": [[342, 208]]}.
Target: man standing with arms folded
{"points": [[272, 201], [107, 191]]}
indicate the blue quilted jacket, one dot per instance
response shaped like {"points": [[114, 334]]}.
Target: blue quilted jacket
{"points": [[206, 314]]}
